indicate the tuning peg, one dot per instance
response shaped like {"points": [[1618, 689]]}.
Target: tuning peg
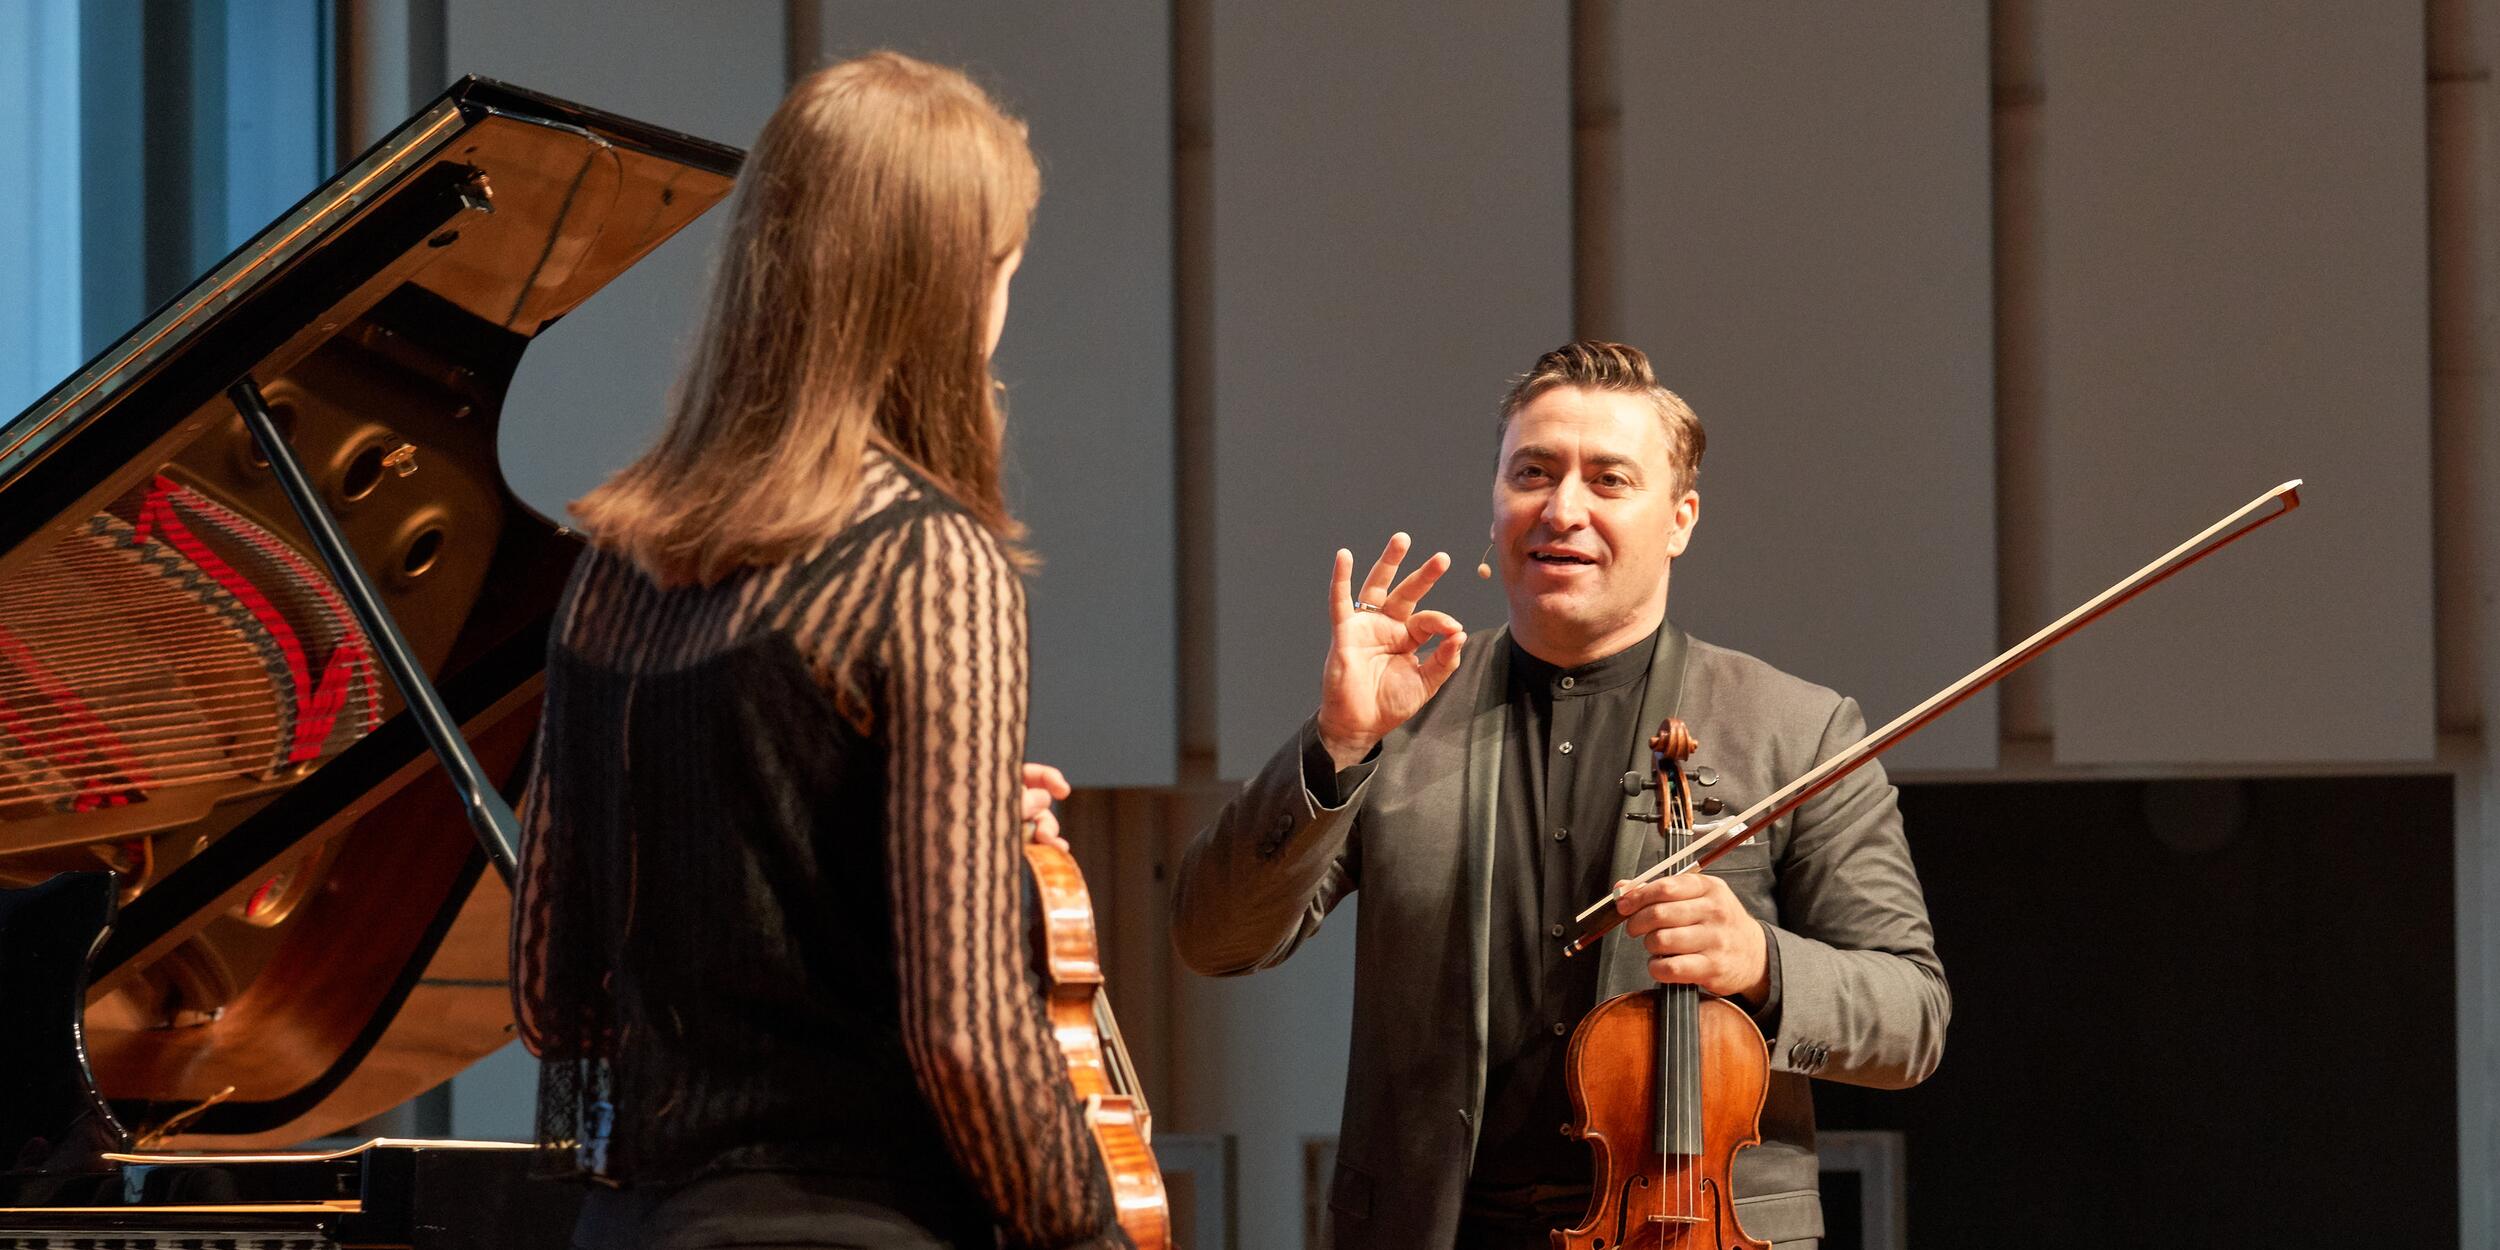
{"points": [[1636, 781], [1643, 818]]}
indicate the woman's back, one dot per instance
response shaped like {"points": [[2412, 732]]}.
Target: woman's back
{"points": [[772, 905]]}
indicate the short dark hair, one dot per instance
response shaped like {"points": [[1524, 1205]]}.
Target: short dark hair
{"points": [[1593, 365]]}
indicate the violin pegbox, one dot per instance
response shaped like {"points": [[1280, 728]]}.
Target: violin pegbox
{"points": [[1668, 749]]}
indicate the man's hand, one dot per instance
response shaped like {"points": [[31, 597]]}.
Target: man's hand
{"points": [[1042, 785], [1696, 933], [1374, 678]]}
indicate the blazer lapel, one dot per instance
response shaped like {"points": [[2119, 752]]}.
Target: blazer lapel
{"points": [[1622, 966], [1483, 799]]}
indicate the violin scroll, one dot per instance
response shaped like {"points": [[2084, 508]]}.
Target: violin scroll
{"points": [[1673, 741]]}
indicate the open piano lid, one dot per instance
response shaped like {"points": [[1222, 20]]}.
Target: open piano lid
{"points": [[303, 938]]}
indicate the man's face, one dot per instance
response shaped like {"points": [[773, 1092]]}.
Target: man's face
{"points": [[1586, 516]]}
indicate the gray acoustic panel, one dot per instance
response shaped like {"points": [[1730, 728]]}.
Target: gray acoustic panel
{"points": [[1087, 356], [1392, 218], [1262, 1059], [592, 391], [1804, 226], [2234, 294]]}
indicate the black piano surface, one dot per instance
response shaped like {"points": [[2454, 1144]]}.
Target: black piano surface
{"points": [[239, 906]]}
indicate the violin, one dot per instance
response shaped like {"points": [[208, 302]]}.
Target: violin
{"points": [[1666, 1086], [1089, 1042]]}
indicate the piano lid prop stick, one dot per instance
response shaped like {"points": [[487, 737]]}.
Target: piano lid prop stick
{"points": [[489, 815]]}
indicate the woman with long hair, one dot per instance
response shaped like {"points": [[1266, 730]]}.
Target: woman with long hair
{"points": [[769, 936]]}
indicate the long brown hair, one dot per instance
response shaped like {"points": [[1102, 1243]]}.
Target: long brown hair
{"points": [[847, 312]]}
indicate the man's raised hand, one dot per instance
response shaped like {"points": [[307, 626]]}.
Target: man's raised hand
{"points": [[1376, 676]]}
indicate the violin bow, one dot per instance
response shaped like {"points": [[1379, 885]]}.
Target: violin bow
{"points": [[1716, 840]]}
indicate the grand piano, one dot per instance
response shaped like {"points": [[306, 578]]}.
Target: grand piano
{"points": [[271, 638]]}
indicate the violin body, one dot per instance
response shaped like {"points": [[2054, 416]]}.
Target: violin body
{"points": [[1644, 1197], [1089, 1042]]}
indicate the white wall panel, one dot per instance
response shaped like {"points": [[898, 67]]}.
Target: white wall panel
{"points": [[592, 390], [1391, 213], [2234, 294], [1087, 357], [1392, 242], [1804, 226]]}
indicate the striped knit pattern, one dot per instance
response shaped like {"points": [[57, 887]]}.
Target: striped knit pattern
{"points": [[772, 909]]}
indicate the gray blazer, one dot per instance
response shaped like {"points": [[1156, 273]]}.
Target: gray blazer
{"points": [[1857, 990]]}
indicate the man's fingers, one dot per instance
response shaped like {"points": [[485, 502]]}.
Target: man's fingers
{"points": [[1045, 777], [1423, 627], [1341, 588], [1442, 662], [1665, 917], [1680, 969], [1410, 592], [1673, 887], [1384, 570], [1680, 940]]}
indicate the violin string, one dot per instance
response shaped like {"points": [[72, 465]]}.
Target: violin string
{"points": [[1690, 1107], [1673, 1003]]}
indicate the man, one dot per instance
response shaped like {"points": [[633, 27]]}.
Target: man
{"points": [[1472, 791]]}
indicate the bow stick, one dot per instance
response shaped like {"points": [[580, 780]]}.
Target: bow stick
{"points": [[1716, 840]]}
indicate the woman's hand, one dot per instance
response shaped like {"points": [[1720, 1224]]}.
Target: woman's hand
{"points": [[1042, 785]]}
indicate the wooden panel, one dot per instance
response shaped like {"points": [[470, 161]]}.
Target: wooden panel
{"points": [[1087, 357], [592, 391], [1392, 242], [1804, 227], [2234, 294]]}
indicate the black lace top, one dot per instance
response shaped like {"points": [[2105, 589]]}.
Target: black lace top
{"points": [[772, 905]]}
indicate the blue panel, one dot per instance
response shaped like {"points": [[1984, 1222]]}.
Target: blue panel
{"points": [[39, 218], [273, 92]]}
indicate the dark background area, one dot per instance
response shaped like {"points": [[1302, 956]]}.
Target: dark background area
{"points": [[2185, 1013]]}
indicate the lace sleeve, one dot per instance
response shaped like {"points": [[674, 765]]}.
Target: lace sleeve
{"points": [[973, 1023]]}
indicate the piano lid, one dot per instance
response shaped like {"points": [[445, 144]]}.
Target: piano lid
{"points": [[184, 698]]}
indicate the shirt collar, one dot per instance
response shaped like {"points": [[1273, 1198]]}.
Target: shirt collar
{"points": [[1595, 677]]}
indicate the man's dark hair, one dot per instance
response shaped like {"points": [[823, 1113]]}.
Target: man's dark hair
{"points": [[1599, 366]]}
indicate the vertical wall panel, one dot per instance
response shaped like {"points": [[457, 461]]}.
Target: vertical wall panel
{"points": [[592, 390], [1804, 226], [1391, 212], [1392, 243], [1087, 357], [2234, 295]]}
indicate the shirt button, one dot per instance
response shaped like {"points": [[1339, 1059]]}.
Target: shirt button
{"points": [[1561, 834], [1568, 683], [1561, 1029], [1565, 748], [1554, 931]]}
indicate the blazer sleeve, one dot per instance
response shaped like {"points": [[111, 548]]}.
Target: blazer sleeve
{"points": [[1255, 884], [1861, 995]]}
